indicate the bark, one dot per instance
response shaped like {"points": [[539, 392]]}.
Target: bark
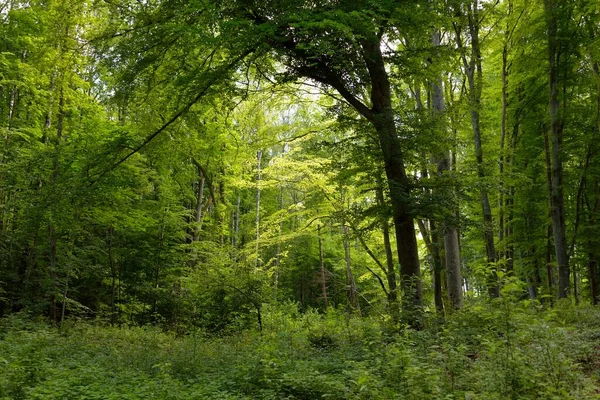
{"points": [[352, 299], [199, 202], [258, 181], [593, 276], [278, 250], [504, 76], [236, 224], [593, 206], [593, 212], [235, 229], [431, 240], [389, 262], [322, 269], [113, 274], [382, 118], [52, 261], [576, 286], [52, 230], [473, 70], [431, 236], [450, 231], [64, 299], [557, 205], [549, 267], [453, 272]]}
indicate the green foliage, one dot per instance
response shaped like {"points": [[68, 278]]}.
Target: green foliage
{"points": [[505, 350]]}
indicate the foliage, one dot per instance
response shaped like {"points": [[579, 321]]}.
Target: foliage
{"points": [[508, 350]]}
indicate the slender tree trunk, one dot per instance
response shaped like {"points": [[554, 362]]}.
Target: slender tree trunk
{"points": [[537, 279], [258, 182], [352, 299], [64, 300], [437, 244], [593, 276], [157, 269], [52, 262], [575, 286], [449, 229], [389, 257], [431, 236], [549, 268], [432, 243], [236, 223], [199, 202], [52, 229], [322, 269], [504, 76], [113, 274], [474, 72], [557, 205], [278, 250]]}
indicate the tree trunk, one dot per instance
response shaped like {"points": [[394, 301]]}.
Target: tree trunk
{"points": [[258, 181], [389, 257], [199, 202], [474, 73], [382, 117], [557, 205], [593, 276], [352, 299], [52, 229], [501, 203], [113, 275], [432, 243], [322, 269], [278, 250], [236, 222], [450, 231]]}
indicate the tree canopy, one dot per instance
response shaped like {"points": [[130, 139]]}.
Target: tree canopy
{"points": [[186, 162]]}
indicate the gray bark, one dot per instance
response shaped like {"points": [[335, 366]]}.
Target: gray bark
{"points": [[322, 269], [473, 70], [258, 179], [557, 203], [352, 299]]}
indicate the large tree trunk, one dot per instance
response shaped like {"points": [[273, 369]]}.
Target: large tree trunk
{"points": [[557, 203], [382, 117]]}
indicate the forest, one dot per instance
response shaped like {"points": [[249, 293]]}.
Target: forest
{"points": [[276, 199]]}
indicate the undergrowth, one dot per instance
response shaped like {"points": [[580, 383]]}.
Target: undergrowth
{"points": [[499, 350]]}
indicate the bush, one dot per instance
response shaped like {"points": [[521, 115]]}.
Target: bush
{"points": [[501, 350]]}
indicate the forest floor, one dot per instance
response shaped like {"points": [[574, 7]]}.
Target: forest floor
{"points": [[504, 350]]}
